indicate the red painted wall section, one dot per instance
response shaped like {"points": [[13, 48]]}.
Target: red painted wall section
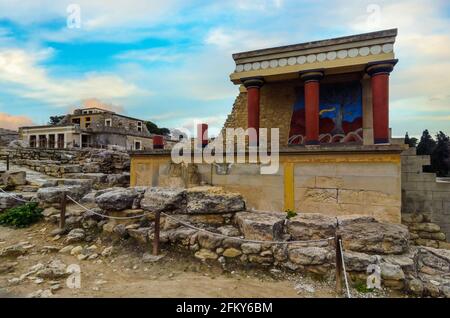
{"points": [[380, 100], [312, 112], [253, 95]]}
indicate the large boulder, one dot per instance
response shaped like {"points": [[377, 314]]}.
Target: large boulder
{"points": [[309, 255], [158, 199], [7, 201], [358, 262], [374, 237], [433, 261], [13, 178], [311, 227], [55, 194], [118, 179], [260, 226], [213, 200], [117, 200]]}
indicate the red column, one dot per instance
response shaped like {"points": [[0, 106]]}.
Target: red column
{"points": [[312, 91], [202, 135], [380, 72], [253, 86], [158, 142]]}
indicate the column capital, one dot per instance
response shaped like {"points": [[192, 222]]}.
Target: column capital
{"points": [[381, 67], [250, 82], [312, 75]]}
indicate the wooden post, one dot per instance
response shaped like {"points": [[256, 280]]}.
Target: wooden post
{"points": [[338, 265], [62, 221], [7, 162], [156, 234]]}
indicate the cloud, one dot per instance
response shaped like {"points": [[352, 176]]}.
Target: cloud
{"points": [[13, 122], [96, 103], [231, 40], [21, 72], [101, 20], [150, 55]]}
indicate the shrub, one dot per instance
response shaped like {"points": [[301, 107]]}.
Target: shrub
{"points": [[290, 214], [21, 216]]}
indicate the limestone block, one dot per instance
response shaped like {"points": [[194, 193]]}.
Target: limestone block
{"points": [[425, 227], [311, 227], [13, 178], [368, 197], [329, 182], [205, 254], [305, 181], [317, 195], [309, 255], [375, 237], [213, 200], [260, 226], [164, 199]]}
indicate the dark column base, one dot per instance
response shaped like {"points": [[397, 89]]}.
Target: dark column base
{"points": [[158, 146], [312, 142]]}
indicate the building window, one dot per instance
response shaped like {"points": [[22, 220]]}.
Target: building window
{"points": [[139, 126], [88, 125], [108, 122], [42, 141], [60, 141], [137, 145], [33, 141], [51, 141], [76, 121], [88, 118]]}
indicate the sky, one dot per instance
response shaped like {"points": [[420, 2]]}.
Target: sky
{"points": [[169, 61]]}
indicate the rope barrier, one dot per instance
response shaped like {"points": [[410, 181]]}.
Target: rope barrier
{"points": [[13, 196], [104, 215], [198, 228], [242, 239], [344, 270]]}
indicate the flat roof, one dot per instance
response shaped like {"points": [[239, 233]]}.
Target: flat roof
{"points": [[347, 54], [317, 44]]}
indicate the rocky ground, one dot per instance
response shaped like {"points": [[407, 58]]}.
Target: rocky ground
{"points": [[125, 273], [33, 177]]}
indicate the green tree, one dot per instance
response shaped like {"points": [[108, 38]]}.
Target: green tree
{"points": [[412, 142], [154, 129], [440, 158], [54, 120], [426, 144]]}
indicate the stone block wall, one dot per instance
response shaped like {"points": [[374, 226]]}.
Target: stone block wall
{"points": [[276, 106], [331, 184], [424, 193], [362, 188]]}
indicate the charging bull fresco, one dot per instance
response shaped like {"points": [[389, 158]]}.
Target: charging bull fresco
{"points": [[340, 114]]}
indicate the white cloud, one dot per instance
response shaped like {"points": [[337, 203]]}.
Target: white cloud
{"points": [[233, 40], [13, 122], [20, 72], [150, 55]]}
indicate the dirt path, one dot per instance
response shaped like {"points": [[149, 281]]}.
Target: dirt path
{"points": [[124, 274]]}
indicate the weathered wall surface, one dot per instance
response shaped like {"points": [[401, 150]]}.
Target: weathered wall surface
{"points": [[345, 188], [276, 106], [423, 193], [338, 184]]}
